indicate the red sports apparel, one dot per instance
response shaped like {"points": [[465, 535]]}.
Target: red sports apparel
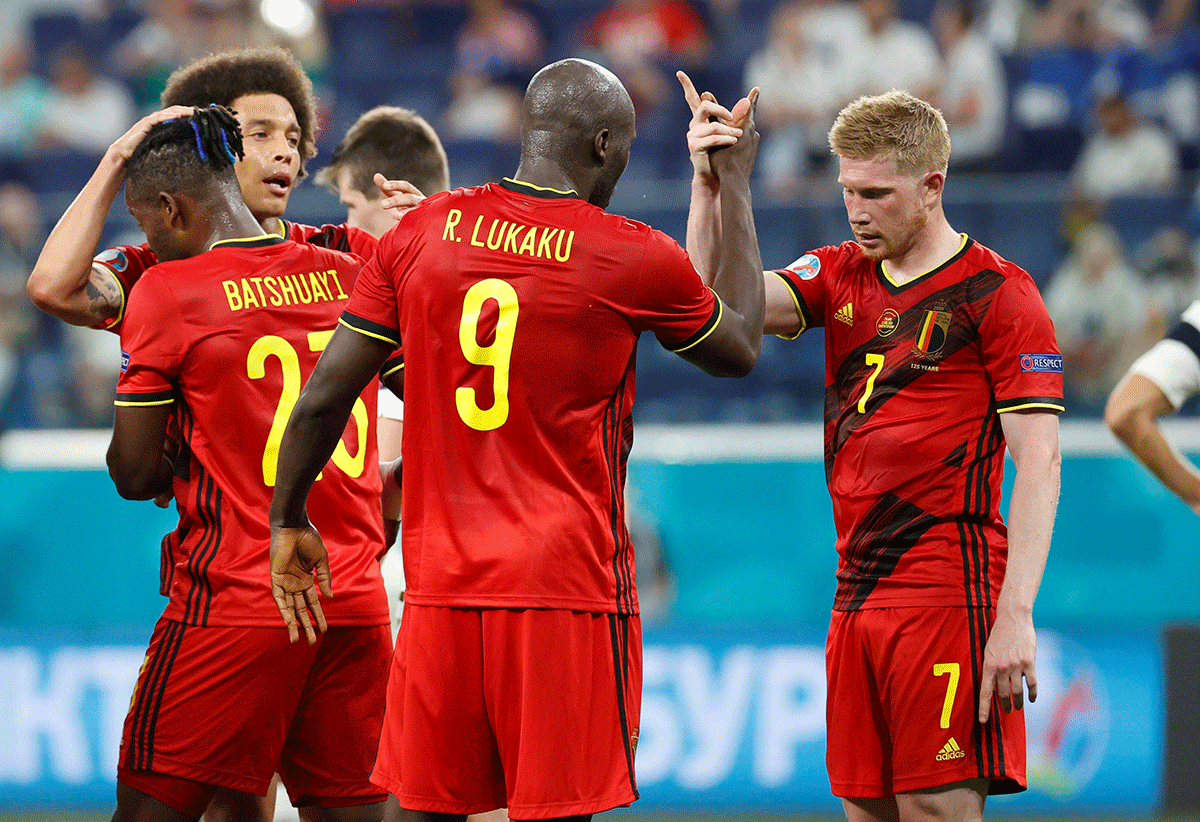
{"points": [[520, 310], [915, 727], [231, 706], [464, 679], [230, 336], [915, 379], [129, 262]]}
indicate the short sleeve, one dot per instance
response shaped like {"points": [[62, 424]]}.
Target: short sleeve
{"points": [[373, 309], [672, 301], [1174, 363], [152, 346], [807, 280], [1020, 353], [126, 263]]}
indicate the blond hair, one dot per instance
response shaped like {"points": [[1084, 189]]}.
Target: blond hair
{"points": [[895, 124]]}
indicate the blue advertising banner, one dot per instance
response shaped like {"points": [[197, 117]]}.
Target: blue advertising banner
{"points": [[731, 719]]}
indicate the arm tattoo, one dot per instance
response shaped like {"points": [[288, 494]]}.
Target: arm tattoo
{"points": [[104, 294]]}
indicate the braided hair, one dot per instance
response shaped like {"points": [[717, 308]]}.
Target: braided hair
{"points": [[191, 155]]}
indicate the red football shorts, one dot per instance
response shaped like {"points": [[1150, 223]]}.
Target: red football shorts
{"points": [[534, 709], [901, 707], [229, 707]]}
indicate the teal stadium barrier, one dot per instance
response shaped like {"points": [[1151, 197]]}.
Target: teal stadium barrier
{"points": [[743, 520]]}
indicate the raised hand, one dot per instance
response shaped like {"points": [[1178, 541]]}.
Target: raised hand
{"points": [[122, 149], [297, 554], [712, 126], [739, 157]]}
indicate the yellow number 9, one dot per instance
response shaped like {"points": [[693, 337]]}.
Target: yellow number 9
{"points": [[497, 356]]}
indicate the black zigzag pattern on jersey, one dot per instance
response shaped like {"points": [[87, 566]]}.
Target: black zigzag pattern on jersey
{"points": [[148, 699], [888, 530], [842, 417], [618, 441], [618, 625]]}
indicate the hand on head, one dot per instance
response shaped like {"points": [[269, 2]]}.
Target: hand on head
{"points": [[398, 195]]}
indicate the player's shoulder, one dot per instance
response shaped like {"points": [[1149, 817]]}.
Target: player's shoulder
{"points": [[979, 256], [337, 237]]}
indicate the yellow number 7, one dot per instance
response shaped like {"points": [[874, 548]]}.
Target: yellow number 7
{"points": [[877, 361], [951, 687]]}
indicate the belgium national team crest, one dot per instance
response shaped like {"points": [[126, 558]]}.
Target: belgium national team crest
{"points": [[932, 335]]}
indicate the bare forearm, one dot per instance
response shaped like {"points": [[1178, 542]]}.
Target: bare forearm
{"points": [[59, 283], [1030, 525], [738, 279], [313, 431], [704, 226], [1140, 432]]}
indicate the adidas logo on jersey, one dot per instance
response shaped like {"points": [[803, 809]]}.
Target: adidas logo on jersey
{"points": [[845, 314], [950, 751]]}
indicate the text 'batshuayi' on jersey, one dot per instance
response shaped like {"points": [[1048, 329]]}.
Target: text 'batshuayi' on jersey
{"points": [[229, 337], [916, 377], [519, 310]]}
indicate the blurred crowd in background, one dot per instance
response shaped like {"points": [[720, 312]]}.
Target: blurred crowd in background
{"points": [[1075, 128]]}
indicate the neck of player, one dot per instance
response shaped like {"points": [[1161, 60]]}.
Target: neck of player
{"points": [[936, 243]]}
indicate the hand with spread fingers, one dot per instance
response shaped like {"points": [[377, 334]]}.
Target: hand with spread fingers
{"points": [[1008, 658], [399, 196], [740, 156], [299, 565]]}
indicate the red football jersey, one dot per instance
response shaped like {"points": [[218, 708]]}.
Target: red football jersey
{"points": [[230, 336], [520, 309], [916, 377], [128, 262]]}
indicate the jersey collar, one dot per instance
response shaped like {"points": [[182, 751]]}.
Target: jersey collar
{"points": [[895, 288], [537, 191], [249, 242]]}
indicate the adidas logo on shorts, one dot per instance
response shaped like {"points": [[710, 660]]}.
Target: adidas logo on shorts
{"points": [[950, 751]]}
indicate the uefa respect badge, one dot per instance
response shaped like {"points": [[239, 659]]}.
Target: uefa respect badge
{"points": [[1041, 363]]}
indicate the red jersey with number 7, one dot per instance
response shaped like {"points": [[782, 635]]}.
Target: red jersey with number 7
{"points": [[916, 378], [520, 309], [229, 337]]}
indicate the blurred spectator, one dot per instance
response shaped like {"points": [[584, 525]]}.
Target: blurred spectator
{"points": [[894, 54], [84, 110], [1124, 156], [93, 363], [158, 45], [800, 94], [1058, 89], [1097, 303], [1171, 279], [634, 38], [20, 241], [497, 51], [973, 94], [22, 101]]}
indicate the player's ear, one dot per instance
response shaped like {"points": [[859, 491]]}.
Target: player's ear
{"points": [[600, 145], [932, 185], [171, 206]]}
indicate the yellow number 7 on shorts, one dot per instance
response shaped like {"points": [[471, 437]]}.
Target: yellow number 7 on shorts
{"points": [[951, 687]]}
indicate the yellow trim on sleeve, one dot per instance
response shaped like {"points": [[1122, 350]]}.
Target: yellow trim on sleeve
{"points": [[106, 325], [799, 311], [392, 371], [1049, 405], [387, 340], [705, 335], [128, 404]]}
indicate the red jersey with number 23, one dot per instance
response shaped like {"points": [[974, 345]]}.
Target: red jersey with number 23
{"points": [[519, 309], [916, 377], [127, 263], [230, 336]]}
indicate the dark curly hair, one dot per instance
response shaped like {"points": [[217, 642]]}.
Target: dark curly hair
{"points": [[191, 155], [222, 78]]}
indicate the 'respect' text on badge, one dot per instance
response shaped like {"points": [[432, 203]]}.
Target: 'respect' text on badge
{"points": [[1042, 363]]}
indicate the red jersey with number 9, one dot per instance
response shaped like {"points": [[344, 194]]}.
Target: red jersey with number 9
{"points": [[519, 310], [230, 336], [916, 378]]}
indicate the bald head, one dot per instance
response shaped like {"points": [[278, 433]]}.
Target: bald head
{"points": [[570, 107]]}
